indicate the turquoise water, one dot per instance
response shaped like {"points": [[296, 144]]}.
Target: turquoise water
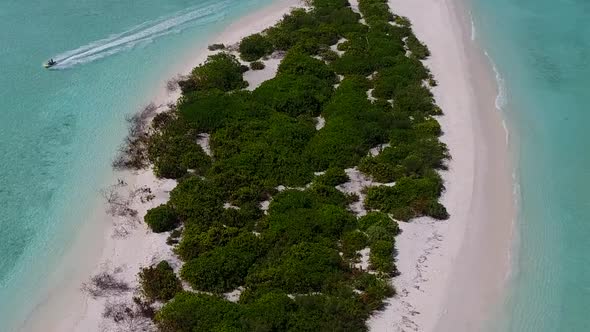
{"points": [[542, 50], [59, 129]]}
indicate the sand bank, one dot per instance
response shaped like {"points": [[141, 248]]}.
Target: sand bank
{"points": [[453, 272], [122, 245]]}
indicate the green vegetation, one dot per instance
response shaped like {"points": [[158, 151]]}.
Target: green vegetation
{"points": [[332, 177], [257, 65], [254, 47], [159, 282], [162, 218], [215, 47], [296, 262], [221, 71], [410, 197]]}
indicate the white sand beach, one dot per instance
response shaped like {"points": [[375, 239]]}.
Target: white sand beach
{"points": [[453, 272]]}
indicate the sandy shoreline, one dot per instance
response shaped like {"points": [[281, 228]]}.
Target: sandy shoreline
{"points": [[454, 272]]}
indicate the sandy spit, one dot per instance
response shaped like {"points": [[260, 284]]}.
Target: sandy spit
{"points": [[453, 272]]}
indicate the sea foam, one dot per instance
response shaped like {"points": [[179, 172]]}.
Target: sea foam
{"points": [[141, 34]]}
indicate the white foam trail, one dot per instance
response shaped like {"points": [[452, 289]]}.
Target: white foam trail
{"points": [[501, 98], [506, 131], [141, 34], [473, 31]]}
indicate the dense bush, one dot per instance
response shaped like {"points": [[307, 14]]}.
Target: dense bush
{"points": [[223, 268], [196, 312], [296, 63], [196, 241], [353, 126], [305, 267], [257, 65], [221, 71], [173, 154], [381, 258], [409, 198], [374, 290], [159, 282], [162, 218], [254, 47], [306, 244], [418, 49], [215, 47], [197, 201], [352, 242], [380, 219], [300, 217], [295, 94], [332, 177]]}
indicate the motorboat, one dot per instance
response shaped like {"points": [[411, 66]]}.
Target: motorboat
{"points": [[50, 63]]}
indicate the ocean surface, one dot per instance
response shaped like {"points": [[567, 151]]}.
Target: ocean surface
{"points": [[541, 51], [60, 128]]}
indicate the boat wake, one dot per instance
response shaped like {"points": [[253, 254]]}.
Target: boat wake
{"points": [[141, 34]]}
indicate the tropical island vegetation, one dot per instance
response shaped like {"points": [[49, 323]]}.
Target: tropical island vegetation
{"points": [[295, 261]]}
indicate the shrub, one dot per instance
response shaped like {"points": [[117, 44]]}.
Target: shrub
{"points": [[196, 241], [161, 219], [409, 198], [305, 267], [173, 155], [403, 21], [257, 65], [159, 282], [174, 237], [196, 312], [328, 55], [269, 312], [296, 63], [352, 242], [254, 47], [223, 268], [374, 290], [378, 219], [332, 177], [329, 313], [196, 201], [381, 258], [215, 47], [297, 216], [221, 71], [295, 94], [419, 50]]}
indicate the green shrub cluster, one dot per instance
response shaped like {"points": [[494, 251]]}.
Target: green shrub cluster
{"points": [[296, 262], [221, 71], [380, 230], [255, 47], [272, 311], [353, 126], [257, 65], [223, 268], [174, 152], [162, 218], [332, 177], [159, 282], [410, 197]]}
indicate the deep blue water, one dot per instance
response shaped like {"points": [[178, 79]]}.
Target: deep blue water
{"points": [[59, 129], [542, 50]]}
